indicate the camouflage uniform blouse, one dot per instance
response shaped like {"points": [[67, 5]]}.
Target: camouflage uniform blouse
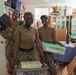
{"points": [[9, 47], [10, 41]]}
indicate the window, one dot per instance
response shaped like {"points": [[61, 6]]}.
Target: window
{"points": [[41, 11]]}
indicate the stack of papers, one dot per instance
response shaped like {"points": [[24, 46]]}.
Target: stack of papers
{"points": [[31, 64], [54, 48], [72, 45]]}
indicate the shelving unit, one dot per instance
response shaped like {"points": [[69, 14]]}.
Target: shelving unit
{"points": [[60, 22], [61, 19], [73, 26], [9, 11]]}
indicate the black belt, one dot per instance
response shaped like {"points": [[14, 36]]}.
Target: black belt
{"points": [[26, 50]]}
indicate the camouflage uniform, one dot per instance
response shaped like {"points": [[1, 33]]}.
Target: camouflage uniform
{"points": [[26, 56], [50, 63], [9, 47], [26, 51], [46, 34]]}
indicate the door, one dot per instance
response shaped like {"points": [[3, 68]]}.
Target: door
{"points": [[2, 56]]}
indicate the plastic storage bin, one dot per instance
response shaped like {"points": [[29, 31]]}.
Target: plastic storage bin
{"points": [[53, 48], [32, 71]]}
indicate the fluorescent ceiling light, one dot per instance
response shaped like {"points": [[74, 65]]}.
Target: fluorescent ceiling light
{"points": [[5, 0], [46, 0]]}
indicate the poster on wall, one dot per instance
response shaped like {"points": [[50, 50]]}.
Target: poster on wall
{"points": [[22, 11]]}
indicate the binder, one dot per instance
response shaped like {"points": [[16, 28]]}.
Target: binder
{"points": [[4, 22]]}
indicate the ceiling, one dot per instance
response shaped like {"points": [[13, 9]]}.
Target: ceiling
{"points": [[35, 2], [49, 2]]}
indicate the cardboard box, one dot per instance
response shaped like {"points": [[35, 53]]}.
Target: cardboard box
{"points": [[74, 11], [74, 16]]}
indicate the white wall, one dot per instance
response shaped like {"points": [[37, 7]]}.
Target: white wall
{"points": [[2, 46], [1, 7], [62, 3], [2, 56], [30, 8]]}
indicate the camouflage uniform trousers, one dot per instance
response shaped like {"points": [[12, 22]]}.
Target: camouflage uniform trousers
{"points": [[22, 56], [26, 56], [49, 60], [10, 67]]}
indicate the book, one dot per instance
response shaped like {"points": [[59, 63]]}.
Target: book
{"points": [[31, 64]]}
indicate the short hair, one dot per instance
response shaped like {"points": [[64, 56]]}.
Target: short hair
{"points": [[45, 16], [26, 13]]}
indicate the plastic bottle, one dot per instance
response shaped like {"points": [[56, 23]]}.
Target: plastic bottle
{"points": [[67, 37]]}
